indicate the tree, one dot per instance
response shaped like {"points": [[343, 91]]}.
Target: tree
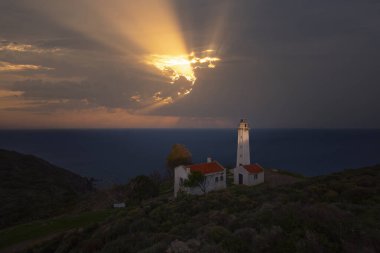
{"points": [[179, 155], [197, 179], [142, 187]]}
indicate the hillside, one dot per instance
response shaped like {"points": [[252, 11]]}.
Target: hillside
{"points": [[334, 213], [31, 188]]}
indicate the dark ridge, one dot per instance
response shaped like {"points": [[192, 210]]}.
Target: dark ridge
{"points": [[31, 188]]}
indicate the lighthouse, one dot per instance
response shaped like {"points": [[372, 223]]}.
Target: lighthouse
{"points": [[245, 172], [243, 155]]}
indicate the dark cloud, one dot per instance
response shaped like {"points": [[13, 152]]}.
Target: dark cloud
{"points": [[284, 63], [303, 64]]}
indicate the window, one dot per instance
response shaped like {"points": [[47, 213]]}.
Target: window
{"points": [[216, 179], [255, 176], [221, 178]]}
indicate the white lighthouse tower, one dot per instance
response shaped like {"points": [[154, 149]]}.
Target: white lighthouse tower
{"points": [[245, 172], [243, 155]]}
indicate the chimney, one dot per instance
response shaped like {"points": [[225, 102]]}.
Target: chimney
{"points": [[209, 159]]}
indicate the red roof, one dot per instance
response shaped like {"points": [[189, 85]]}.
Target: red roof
{"points": [[253, 168], [206, 168]]}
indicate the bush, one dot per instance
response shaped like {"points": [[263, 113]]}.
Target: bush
{"points": [[234, 244], [216, 234], [143, 225], [142, 187]]}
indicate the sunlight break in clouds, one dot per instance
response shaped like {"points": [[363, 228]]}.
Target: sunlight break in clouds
{"points": [[176, 66], [146, 33]]}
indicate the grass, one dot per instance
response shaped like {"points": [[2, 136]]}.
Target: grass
{"points": [[42, 228]]}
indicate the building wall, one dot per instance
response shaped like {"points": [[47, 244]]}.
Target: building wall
{"points": [[212, 185], [248, 178], [252, 181], [219, 184], [179, 172], [240, 170]]}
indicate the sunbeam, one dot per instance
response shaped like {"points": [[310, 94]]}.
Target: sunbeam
{"points": [[145, 32]]}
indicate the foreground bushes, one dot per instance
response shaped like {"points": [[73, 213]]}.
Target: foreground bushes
{"points": [[334, 213]]}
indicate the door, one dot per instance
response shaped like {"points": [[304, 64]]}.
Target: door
{"points": [[240, 178]]}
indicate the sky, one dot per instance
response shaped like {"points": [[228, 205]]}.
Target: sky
{"points": [[185, 64]]}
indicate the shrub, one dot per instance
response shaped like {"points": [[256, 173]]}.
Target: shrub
{"points": [[216, 234], [234, 244], [143, 225], [142, 187]]}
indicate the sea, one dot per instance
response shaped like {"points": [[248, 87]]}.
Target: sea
{"points": [[114, 156]]}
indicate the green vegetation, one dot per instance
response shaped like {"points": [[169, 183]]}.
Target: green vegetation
{"points": [[335, 213], [31, 188], [288, 213], [43, 228], [142, 187], [230, 177], [196, 179], [166, 187], [179, 155]]}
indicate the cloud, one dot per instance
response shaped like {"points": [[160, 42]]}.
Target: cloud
{"points": [[24, 48], [99, 117], [71, 95], [11, 67], [10, 93], [43, 90], [300, 64], [12, 77]]}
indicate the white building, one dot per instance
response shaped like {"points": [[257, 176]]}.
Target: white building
{"points": [[215, 177], [251, 174], [245, 172]]}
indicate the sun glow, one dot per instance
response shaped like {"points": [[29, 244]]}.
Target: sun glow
{"points": [[177, 66], [149, 36]]}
